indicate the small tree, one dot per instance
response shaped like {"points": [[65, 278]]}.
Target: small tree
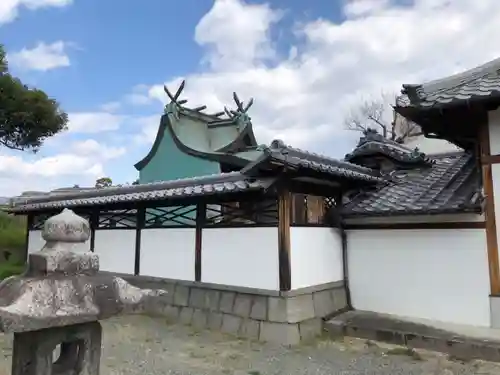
{"points": [[27, 115], [3, 61], [378, 114], [103, 182], [136, 182]]}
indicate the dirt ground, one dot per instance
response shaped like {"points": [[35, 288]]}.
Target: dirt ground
{"points": [[145, 345]]}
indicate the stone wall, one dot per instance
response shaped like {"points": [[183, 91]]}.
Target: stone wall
{"points": [[281, 317]]}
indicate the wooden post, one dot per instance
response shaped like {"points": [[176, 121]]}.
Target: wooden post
{"points": [[284, 216], [29, 224], [139, 225], [94, 223], [489, 212], [201, 213]]}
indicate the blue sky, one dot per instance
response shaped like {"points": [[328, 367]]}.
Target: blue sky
{"points": [[306, 63], [140, 42], [116, 47]]}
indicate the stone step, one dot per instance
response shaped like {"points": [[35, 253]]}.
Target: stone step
{"points": [[392, 330]]}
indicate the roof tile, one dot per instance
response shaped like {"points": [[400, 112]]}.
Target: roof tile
{"points": [[478, 83], [373, 143], [295, 157], [214, 184], [451, 183]]}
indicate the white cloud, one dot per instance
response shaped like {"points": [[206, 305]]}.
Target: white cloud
{"points": [[9, 9], [94, 122], [80, 162], [148, 126], [137, 99], [111, 106], [43, 57], [97, 150], [357, 8], [47, 173], [72, 160], [139, 96], [236, 35], [304, 96], [301, 95], [47, 166]]}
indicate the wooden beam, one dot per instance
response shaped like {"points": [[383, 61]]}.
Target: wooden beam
{"points": [[407, 226], [309, 188], [491, 228], [201, 214], [284, 216], [140, 218], [490, 159]]}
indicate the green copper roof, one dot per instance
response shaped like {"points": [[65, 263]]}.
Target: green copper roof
{"points": [[207, 136]]}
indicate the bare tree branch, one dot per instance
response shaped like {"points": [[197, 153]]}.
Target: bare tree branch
{"points": [[377, 113]]}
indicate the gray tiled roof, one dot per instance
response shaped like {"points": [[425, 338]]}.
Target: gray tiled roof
{"points": [[206, 185], [373, 143], [451, 184], [297, 158], [479, 83]]}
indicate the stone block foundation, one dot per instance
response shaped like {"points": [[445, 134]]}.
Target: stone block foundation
{"points": [[280, 317]]}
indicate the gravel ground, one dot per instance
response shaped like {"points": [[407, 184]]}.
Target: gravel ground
{"points": [[145, 345]]}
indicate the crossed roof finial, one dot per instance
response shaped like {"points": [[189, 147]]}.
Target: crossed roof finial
{"points": [[174, 98], [240, 108], [232, 114]]}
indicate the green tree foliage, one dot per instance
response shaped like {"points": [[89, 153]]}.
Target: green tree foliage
{"points": [[12, 232], [103, 182], [3, 61], [27, 115], [12, 244]]}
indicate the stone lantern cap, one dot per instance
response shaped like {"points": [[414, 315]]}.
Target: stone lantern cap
{"points": [[61, 287]]}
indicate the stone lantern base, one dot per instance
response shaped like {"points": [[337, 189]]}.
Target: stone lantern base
{"points": [[60, 299], [80, 353]]}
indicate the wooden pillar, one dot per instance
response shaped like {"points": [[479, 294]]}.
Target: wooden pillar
{"points": [[94, 223], [489, 212], [29, 225], [201, 214], [284, 215], [139, 225]]}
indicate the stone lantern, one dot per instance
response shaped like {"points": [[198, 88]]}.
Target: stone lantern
{"points": [[60, 299]]}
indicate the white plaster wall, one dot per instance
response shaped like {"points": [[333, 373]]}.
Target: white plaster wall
{"points": [[168, 253], [494, 129], [116, 250], [246, 257], [432, 274], [36, 242], [315, 256]]}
